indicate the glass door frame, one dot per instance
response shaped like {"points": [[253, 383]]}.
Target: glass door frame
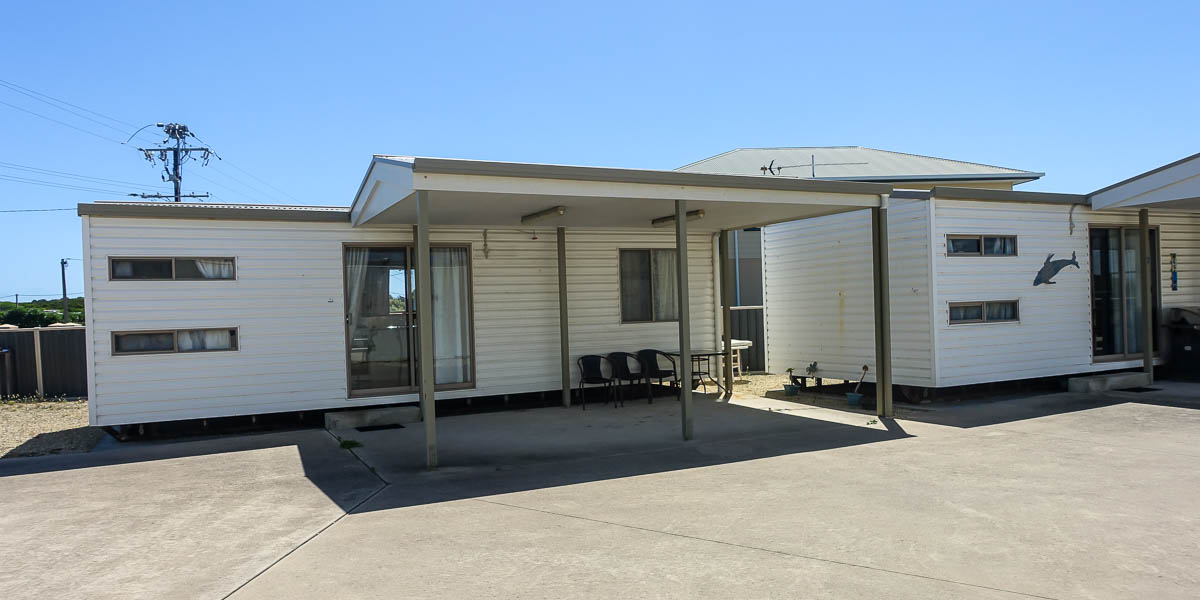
{"points": [[1155, 291], [410, 313]]}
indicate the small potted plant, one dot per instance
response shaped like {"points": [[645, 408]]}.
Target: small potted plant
{"points": [[791, 388]]}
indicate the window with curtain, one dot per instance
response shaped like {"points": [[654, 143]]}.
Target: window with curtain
{"points": [[173, 341], [179, 268], [381, 318], [981, 245], [994, 311], [649, 289]]}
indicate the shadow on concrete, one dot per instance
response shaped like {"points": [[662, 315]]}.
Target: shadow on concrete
{"points": [[76, 439], [336, 472], [484, 455]]}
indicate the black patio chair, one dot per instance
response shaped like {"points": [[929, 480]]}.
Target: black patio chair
{"points": [[591, 372], [622, 373], [651, 369]]}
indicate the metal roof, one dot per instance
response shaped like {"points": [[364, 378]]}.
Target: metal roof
{"points": [[204, 210], [457, 166], [854, 163]]}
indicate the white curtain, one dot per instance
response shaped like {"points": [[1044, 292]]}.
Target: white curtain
{"points": [[451, 315], [193, 340], [215, 268], [122, 268], [666, 294], [356, 275]]}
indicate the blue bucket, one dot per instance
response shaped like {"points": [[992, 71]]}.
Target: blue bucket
{"points": [[854, 399]]}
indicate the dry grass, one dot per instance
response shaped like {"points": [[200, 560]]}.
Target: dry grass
{"points": [[48, 427]]}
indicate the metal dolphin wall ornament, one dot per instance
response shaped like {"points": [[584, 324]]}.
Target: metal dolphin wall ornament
{"points": [[1051, 268]]}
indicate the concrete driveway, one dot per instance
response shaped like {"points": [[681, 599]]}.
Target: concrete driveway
{"points": [[1058, 496]]}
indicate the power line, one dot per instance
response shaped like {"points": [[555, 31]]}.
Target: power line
{"points": [[50, 100], [63, 123], [66, 175], [13, 85], [55, 184], [22, 210]]}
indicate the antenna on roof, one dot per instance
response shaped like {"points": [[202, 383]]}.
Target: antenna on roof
{"points": [[812, 164]]}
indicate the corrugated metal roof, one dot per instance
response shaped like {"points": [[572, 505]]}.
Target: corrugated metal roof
{"points": [[204, 210], [851, 163]]}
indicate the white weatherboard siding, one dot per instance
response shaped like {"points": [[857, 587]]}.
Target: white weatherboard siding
{"points": [[287, 302], [818, 293], [1054, 335]]}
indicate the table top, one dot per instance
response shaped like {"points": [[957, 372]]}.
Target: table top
{"points": [[696, 353]]}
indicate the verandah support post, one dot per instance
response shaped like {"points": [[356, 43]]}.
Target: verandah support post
{"points": [[1146, 266], [564, 338], [883, 320], [726, 309], [684, 368], [425, 328]]}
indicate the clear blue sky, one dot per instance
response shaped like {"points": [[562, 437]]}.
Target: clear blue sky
{"points": [[301, 94]]}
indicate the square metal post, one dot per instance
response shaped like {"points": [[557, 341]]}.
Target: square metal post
{"points": [[425, 328], [684, 367], [564, 337], [883, 311], [1146, 263], [726, 309]]}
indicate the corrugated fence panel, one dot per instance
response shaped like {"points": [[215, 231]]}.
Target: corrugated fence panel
{"points": [[20, 345], [747, 324], [64, 362]]}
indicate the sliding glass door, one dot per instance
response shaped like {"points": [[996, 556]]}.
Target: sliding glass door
{"points": [[1117, 303], [381, 311]]}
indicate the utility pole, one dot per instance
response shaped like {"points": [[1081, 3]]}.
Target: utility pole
{"points": [[66, 311], [179, 153]]}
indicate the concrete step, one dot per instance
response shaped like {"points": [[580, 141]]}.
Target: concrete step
{"points": [[1092, 384], [389, 415]]}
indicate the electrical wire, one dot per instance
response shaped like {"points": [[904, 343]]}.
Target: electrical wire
{"points": [[55, 184], [26, 210], [63, 123], [76, 176]]}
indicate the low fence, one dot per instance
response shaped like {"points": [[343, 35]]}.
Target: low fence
{"points": [[43, 361], [747, 324]]}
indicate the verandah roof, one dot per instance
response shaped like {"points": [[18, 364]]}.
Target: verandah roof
{"points": [[486, 193]]}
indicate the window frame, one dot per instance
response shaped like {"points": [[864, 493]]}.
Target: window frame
{"points": [[621, 285], [410, 248], [113, 259], [983, 306], [235, 334], [982, 247]]}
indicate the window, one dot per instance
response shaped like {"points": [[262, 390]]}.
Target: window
{"points": [[996, 311], [172, 341], [981, 245], [648, 286], [172, 268], [381, 318]]}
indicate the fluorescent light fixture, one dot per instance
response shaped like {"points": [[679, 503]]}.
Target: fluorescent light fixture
{"points": [[556, 211], [692, 215]]}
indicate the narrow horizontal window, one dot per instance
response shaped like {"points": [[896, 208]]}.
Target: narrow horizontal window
{"points": [[981, 245], [178, 268], [173, 341], [141, 268], [995, 311]]}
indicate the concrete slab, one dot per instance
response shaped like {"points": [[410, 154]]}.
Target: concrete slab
{"points": [[1091, 384], [910, 510], [169, 520], [389, 415]]}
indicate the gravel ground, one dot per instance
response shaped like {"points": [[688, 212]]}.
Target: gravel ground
{"points": [[36, 428]]}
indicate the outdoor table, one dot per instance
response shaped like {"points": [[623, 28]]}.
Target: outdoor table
{"points": [[701, 365]]}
